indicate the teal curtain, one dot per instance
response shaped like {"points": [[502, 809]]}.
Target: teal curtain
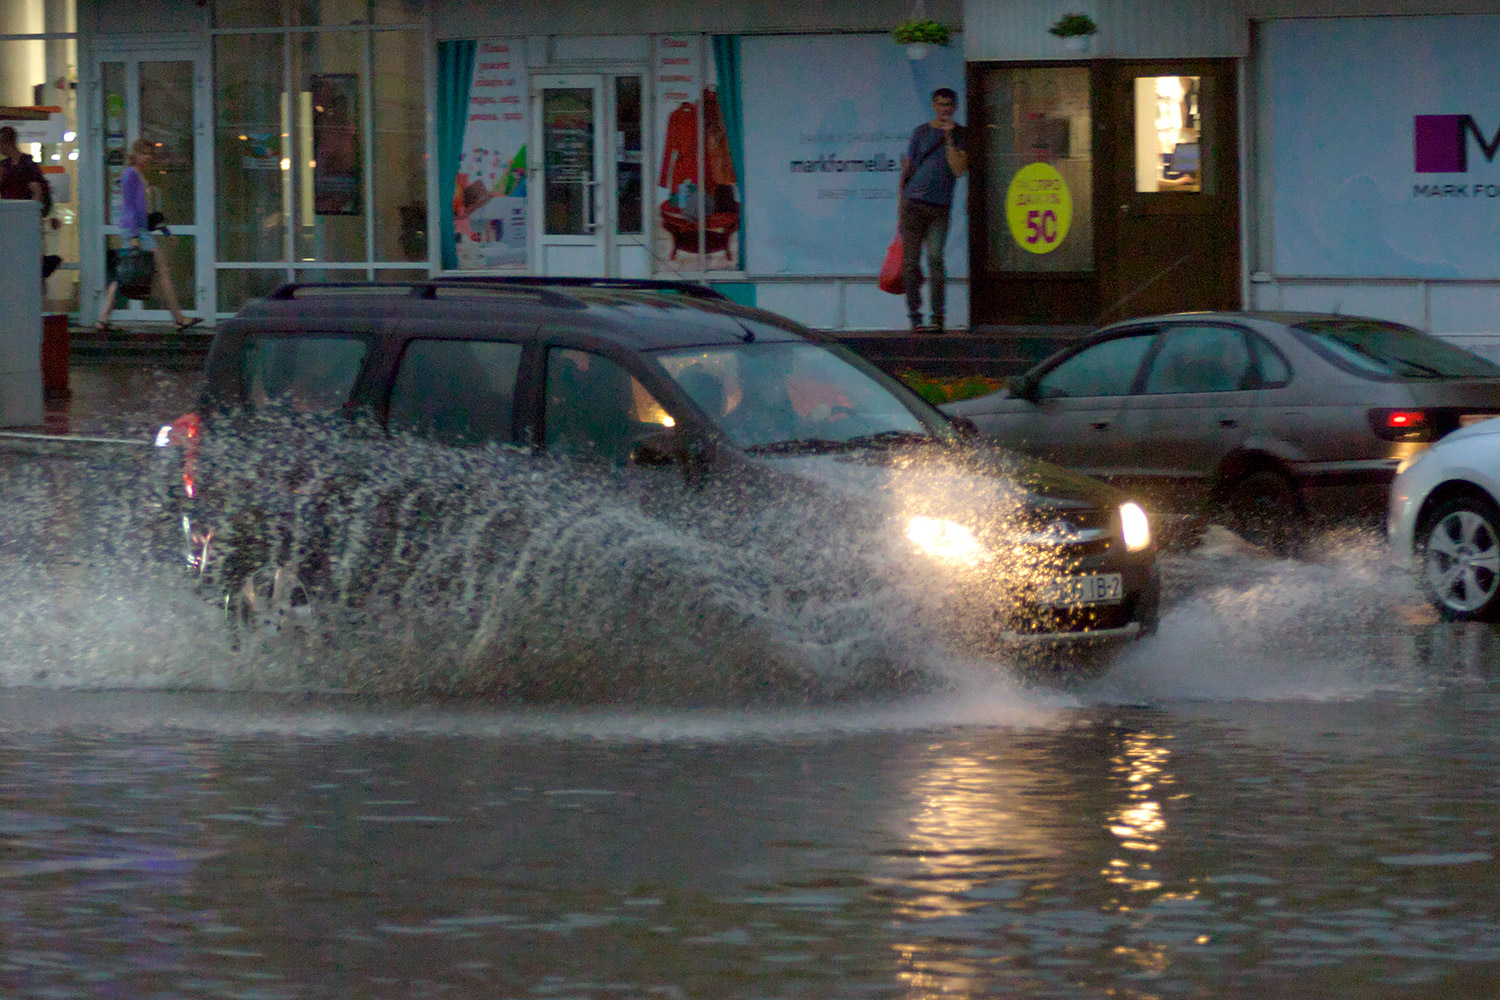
{"points": [[727, 68], [455, 74]]}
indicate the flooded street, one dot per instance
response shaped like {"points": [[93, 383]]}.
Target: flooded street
{"points": [[1293, 789]]}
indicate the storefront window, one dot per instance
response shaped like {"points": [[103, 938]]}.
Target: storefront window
{"points": [[314, 13], [1040, 170], [38, 78], [328, 171], [251, 161], [399, 151], [1168, 128]]}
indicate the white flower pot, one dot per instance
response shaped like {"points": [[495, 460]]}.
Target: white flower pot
{"points": [[1076, 43], [917, 50]]}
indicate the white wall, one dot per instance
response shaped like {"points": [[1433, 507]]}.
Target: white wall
{"points": [[478, 18]]}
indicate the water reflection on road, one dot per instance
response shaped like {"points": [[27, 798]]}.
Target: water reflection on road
{"points": [[1291, 789]]}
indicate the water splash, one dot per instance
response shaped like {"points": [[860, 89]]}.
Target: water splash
{"points": [[1246, 625], [483, 572]]}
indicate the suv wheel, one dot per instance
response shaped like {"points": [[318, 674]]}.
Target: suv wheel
{"points": [[1458, 545], [1265, 508], [268, 600]]}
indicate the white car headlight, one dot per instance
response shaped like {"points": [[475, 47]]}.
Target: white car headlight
{"points": [[944, 539], [1134, 526]]}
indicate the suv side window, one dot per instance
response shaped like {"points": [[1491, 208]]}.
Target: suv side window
{"points": [[596, 409], [309, 374], [1200, 359], [1106, 369], [456, 391]]}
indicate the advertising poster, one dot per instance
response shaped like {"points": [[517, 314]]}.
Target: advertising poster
{"points": [[826, 123], [696, 212], [1385, 134], [335, 139], [489, 197]]}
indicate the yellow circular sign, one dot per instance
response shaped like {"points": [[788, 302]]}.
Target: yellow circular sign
{"points": [[1039, 208]]}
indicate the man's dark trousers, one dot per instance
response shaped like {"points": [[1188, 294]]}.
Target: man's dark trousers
{"points": [[923, 222]]}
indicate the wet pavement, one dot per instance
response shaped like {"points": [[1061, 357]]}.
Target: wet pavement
{"points": [[1293, 789]]}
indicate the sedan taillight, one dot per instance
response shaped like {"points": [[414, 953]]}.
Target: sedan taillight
{"points": [[1403, 425]]}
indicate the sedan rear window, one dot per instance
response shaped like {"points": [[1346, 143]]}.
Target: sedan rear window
{"points": [[1391, 351]]}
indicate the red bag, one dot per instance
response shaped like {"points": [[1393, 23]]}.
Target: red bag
{"points": [[890, 271]]}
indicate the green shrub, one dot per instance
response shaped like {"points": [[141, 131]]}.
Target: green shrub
{"points": [[938, 390], [925, 30], [1073, 25]]}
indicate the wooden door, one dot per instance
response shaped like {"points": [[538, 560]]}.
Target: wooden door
{"points": [[1168, 226]]}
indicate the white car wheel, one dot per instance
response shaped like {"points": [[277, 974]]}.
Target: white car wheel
{"points": [[1461, 558]]}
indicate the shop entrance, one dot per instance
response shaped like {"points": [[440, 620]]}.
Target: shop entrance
{"points": [[1103, 191], [1172, 189], [158, 94], [588, 192]]}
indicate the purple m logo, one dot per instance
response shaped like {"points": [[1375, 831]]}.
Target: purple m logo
{"points": [[1441, 143]]}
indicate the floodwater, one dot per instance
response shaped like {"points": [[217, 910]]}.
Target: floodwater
{"points": [[1293, 790]]}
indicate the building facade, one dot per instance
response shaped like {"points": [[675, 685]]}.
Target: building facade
{"points": [[1187, 154]]}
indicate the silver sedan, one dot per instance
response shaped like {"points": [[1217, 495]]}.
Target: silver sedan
{"points": [[1273, 420]]}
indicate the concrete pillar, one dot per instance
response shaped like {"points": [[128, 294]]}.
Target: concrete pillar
{"points": [[21, 319]]}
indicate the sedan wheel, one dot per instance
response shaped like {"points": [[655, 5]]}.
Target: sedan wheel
{"points": [[1461, 559], [1265, 509]]}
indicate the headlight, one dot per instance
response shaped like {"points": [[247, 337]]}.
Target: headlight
{"points": [[1134, 526], [944, 539]]}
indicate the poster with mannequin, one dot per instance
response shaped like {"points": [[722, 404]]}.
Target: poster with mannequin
{"points": [[696, 211], [489, 196]]}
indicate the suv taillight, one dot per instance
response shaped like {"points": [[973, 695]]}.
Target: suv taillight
{"points": [[1404, 425], [186, 432]]}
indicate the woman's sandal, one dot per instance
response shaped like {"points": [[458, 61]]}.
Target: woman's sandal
{"points": [[189, 322], [103, 327]]}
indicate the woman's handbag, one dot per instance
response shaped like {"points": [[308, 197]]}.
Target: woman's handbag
{"points": [[134, 270], [890, 271]]}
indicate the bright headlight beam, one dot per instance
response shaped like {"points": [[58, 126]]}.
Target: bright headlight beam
{"points": [[1134, 526], [943, 539]]}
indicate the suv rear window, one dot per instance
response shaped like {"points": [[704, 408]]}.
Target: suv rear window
{"points": [[1391, 351], [309, 374], [456, 391]]}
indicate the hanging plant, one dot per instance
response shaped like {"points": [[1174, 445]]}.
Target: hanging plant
{"points": [[1074, 26], [923, 31]]}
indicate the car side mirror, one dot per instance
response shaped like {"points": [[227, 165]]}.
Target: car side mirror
{"points": [[1024, 387], [672, 447], [967, 429]]}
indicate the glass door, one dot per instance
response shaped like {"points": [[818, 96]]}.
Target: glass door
{"points": [[590, 189], [572, 218], [155, 95]]}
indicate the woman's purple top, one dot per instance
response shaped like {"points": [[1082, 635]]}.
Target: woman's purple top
{"points": [[133, 198]]}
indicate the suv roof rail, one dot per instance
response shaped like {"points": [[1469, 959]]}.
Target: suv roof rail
{"points": [[688, 289], [430, 289]]}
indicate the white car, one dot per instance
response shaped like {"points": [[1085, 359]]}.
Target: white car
{"points": [[1445, 513]]}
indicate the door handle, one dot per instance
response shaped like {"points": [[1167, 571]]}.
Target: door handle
{"points": [[1229, 422], [1100, 425]]}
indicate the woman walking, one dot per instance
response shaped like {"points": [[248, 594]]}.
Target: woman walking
{"points": [[133, 216]]}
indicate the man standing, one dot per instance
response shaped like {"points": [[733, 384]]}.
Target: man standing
{"points": [[20, 177], [934, 161]]}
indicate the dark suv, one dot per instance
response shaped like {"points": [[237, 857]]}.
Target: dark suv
{"points": [[342, 425]]}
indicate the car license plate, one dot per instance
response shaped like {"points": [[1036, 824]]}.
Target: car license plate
{"points": [[1071, 591], [1466, 419]]}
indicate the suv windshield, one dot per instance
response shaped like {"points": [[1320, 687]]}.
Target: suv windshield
{"points": [[763, 395], [1392, 351]]}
